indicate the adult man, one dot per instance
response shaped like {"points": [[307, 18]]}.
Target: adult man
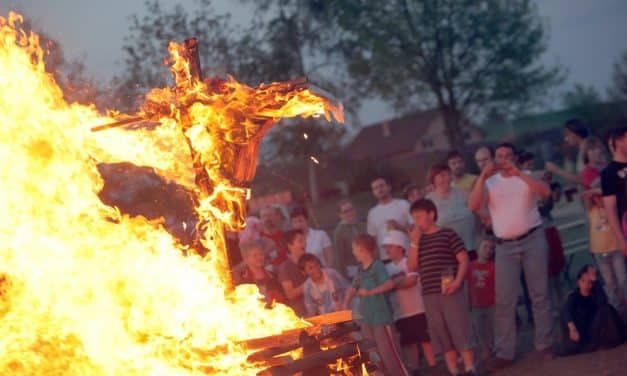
{"points": [[614, 186], [511, 198], [389, 214], [461, 179], [483, 155], [272, 219], [317, 241], [345, 231]]}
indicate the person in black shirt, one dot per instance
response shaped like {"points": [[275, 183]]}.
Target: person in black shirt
{"points": [[588, 322], [579, 310], [614, 185]]}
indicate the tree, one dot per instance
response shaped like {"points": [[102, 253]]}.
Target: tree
{"points": [[462, 56], [580, 96], [618, 90], [293, 42], [145, 47]]}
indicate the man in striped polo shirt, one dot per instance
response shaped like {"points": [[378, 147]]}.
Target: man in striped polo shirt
{"points": [[443, 261]]}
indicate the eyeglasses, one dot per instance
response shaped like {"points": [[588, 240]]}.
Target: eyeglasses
{"points": [[347, 210]]}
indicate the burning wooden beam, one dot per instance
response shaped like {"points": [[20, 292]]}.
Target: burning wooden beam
{"points": [[331, 318], [320, 358], [291, 337], [119, 123], [300, 82]]}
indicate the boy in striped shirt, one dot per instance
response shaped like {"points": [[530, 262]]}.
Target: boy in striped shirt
{"points": [[443, 262]]}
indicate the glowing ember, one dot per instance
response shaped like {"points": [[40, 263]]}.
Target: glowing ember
{"points": [[88, 291]]}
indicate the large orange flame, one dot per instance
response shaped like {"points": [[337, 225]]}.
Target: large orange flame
{"points": [[88, 291]]}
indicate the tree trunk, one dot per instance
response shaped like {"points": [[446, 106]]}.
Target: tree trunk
{"points": [[453, 128], [313, 183]]}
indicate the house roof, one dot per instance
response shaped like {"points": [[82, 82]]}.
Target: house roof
{"points": [[402, 134]]}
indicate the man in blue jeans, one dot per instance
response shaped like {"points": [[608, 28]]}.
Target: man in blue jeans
{"points": [[511, 197]]}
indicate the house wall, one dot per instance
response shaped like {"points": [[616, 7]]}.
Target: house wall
{"points": [[434, 139]]}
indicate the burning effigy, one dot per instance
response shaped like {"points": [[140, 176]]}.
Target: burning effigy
{"points": [[87, 290]]}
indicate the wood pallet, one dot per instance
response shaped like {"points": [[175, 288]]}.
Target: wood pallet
{"points": [[330, 346]]}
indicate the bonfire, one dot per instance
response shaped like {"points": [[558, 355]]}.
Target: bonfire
{"points": [[87, 290]]}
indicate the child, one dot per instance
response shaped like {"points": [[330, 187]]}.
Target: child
{"points": [[482, 298], [324, 288], [443, 262], [371, 283], [291, 276], [406, 301], [606, 250], [253, 271]]}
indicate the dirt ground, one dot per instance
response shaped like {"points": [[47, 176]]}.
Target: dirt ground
{"points": [[602, 363]]}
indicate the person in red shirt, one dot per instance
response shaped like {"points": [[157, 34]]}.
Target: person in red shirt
{"points": [[272, 220], [481, 288]]}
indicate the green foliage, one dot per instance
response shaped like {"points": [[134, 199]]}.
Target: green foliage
{"points": [[580, 95], [618, 90], [463, 56], [302, 139]]}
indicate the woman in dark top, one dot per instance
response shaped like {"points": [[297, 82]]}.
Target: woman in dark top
{"points": [[589, 323]]}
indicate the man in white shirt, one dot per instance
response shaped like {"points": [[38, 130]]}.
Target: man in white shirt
{"points": [[318, 242], [389, 214], [511, 198]]}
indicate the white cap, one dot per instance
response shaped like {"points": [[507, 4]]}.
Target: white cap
{"points": [[395, 237]]}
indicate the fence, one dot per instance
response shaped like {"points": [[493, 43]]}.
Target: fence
{"points": [[573, 246]]}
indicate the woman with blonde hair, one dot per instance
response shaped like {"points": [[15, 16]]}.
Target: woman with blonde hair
{"points": [[594, 161], [603, 244]]}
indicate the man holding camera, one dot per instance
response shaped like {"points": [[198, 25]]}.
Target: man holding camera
{"points": [[511, 198]]}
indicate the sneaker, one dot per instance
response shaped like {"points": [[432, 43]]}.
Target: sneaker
{"points": [[498, 364]]}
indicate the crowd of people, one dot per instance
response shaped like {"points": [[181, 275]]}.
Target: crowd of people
{"points": [[442, 270]]}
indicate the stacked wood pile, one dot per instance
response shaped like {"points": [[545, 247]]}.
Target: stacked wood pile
{"points": [[331, 346]]}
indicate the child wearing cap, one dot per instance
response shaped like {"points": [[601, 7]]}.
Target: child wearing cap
{"points": [[372, 283], [406, 301]]}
